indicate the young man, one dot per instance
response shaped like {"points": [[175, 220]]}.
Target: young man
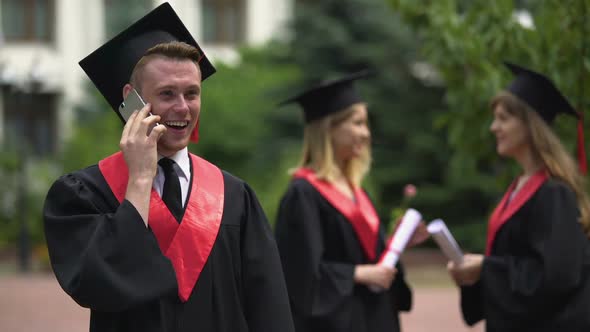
{"points": [[154, 238]]}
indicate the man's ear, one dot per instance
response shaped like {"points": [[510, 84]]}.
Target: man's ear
{"points": [[126, 89]]}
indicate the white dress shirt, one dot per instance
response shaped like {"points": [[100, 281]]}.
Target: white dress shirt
{"points": [[182, 168]]}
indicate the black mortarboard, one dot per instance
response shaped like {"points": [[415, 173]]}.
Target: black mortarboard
{"points": [[538, 92], [541, 94], [110, 66], [328, 96]]}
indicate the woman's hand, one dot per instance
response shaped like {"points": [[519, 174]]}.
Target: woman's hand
{"points": [[468, 272], [374, 275], [420, 235]]}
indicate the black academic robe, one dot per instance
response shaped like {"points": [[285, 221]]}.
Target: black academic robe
{"points": [[537, 276], [319, 250], [107, 260]]}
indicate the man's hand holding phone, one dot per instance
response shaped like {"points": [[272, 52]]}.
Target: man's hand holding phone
{"points": [[139, 143], [133, 102], [139, 140]]}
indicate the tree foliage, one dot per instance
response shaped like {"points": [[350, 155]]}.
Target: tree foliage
{"points": [[467, 42], [236, 124], [409, 146]]}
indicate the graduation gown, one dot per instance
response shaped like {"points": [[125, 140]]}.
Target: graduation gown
{"points": [[106, 259], [319, 250], [536, 276]]}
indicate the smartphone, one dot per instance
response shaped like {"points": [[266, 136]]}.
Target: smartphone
{"points": [[132, 103]]}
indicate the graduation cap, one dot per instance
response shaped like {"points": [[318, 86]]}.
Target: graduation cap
{"points": [[111, 65], [539, 92], [328, 96]]}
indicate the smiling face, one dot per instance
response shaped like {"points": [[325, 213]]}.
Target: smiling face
{"points": [[351, 136], [173, 88], [512, 137]]}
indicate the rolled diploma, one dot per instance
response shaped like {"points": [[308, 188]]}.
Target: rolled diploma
{"points": [[399, 241], [445, 240]]}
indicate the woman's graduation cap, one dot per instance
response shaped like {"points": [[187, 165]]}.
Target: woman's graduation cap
{"points": [[111, 65], [541, 95], [328, 96]]}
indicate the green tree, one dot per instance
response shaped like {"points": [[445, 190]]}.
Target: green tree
{"points": [[409, 146], [238, 132], [467, 41]]}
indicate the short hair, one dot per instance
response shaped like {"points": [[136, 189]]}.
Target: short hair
{"points": [[172, 50]]}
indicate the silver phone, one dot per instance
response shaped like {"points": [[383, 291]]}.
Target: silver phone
{"points": [[132, 103]]}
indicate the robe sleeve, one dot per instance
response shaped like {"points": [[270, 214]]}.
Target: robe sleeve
{"points": [[401, 294], [265, 293], [105, 260], [537, 282], [316, 287], [471, 304]]}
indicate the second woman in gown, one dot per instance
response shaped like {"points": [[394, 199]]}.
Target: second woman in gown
{"points": [[535, 274], [328, 232]]}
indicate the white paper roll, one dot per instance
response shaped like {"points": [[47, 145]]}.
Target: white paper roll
{"points": [[402, 236], [445, 240]]}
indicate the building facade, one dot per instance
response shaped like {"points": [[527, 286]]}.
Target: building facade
{"points": [[41, 42]]}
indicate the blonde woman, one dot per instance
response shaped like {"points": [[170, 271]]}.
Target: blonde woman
{"points": [[328, 232], [535, 272]]}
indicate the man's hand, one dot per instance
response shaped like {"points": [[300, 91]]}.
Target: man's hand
{"points": [[374, 275], [139, 144], [139, 148], [468, 272]]}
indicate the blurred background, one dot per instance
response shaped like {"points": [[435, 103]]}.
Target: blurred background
{"points": [[437, 64]]}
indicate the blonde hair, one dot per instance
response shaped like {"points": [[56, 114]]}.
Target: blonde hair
{"points": [[172, 50], [318, 152], [547, 147]]}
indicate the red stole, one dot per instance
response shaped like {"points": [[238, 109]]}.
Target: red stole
{"points": [[505, 210], [189, 243], [361, 215]]}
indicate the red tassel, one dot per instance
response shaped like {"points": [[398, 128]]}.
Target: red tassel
{"points": [[195, 134], [581, 149]]}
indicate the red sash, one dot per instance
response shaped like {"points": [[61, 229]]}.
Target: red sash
{"points": [[505, 210], [189, 243], [361, 215]]}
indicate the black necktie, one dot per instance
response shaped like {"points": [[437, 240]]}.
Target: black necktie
{"points": [[171, 194]]}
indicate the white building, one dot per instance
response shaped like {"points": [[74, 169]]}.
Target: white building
{"points": [[43, 40]]}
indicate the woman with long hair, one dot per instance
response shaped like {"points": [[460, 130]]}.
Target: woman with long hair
{"points": [[534, 275], [329, 235]]}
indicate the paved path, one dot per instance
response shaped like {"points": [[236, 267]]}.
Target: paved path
{"points": [[436, 309], [37, 303]]}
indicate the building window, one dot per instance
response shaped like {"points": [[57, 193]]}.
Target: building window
{"points": [[28, 20], [223, 21], [30, 118]]}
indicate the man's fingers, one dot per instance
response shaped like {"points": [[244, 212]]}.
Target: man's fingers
{"points": [[157, 132], [139, 120], [127, 130], [128, 124]]}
